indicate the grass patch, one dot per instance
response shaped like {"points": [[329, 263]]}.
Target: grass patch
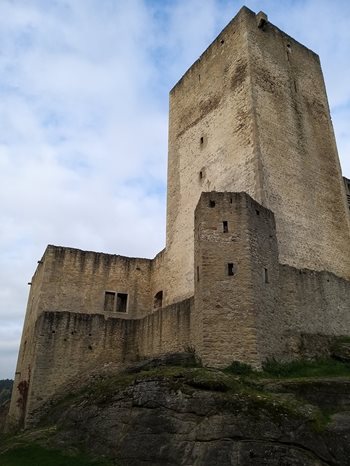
{"points": [[35, 455], [305, 368], [239, 368]]}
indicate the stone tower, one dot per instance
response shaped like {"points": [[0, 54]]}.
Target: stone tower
{"points": [[256, 263], [252, 115]]}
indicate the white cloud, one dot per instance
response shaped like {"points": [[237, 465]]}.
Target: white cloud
{"points": [[83, 143]]}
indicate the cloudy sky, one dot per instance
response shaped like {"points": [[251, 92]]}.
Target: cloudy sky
{"points": [[83, 120]]}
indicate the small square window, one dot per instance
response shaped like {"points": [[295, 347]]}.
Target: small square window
{"points": [[211, 204]]}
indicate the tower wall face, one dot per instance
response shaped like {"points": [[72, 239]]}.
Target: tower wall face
{"points": [[252, 115], [211, 145], [297, 155], [236, 274]]}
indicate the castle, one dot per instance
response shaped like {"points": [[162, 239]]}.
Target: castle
{"points": [[256, 263]]}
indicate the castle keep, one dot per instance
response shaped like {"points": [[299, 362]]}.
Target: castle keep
{"points": [[256, 263]]}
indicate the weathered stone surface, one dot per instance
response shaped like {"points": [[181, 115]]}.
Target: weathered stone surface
{"points": [[161, 419], [340, 349], [170, 359]]}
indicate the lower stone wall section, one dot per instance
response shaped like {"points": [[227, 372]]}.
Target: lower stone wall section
{"points": [[312, 303], [69, 344]]}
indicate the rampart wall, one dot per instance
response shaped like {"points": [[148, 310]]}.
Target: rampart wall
{"points": [[68, 344], [76, 281]]}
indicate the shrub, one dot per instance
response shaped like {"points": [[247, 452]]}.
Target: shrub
{"points": [[239, 368]]}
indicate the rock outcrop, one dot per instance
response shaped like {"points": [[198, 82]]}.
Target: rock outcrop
{"points": [[195, 416]]}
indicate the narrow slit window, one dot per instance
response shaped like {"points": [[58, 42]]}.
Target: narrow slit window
{"points": [[266, 275], [230, 269], [122, 300], [197, 273], [225, 226], [109, 301], [158, 300], [202, 140]]}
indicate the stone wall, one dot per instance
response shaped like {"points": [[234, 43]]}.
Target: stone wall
{"points": [[68, 344], [77, 280], [235, 254], [312, 303], [210, 143], [251, 115], [299, 166], [264, 309], [347, 190]]}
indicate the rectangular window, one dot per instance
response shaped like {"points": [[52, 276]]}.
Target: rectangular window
{"points": [[225, 226], [266, 276], [122, 299], [109, 301], [115, 301], [230, 269]]}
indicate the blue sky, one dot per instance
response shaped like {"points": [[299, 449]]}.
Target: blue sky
{"points": [[84, 99]]}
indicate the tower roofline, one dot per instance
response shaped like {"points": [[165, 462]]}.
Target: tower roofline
{"points": [[243, 11]]}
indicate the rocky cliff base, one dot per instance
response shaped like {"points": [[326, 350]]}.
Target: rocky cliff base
{"points": [[156, 414]]}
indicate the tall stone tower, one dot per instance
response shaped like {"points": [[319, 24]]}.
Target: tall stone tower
{"points": [[252, 115], [258, 233]]}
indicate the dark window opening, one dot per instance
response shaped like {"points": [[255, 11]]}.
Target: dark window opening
{"points": [[225, 226], [109, 301], [197, 273], [158, 300], [230, 200], [200, 175], [230, 269], [211, 204], [257, 212], [122, 299], [202, 139], [266, 276], [222, 41]]}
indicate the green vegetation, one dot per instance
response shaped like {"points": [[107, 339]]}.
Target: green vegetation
{"points": [[239, 368], [295, 369], [5, 390], [305, 368], [35, 455], [278, 392]]}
